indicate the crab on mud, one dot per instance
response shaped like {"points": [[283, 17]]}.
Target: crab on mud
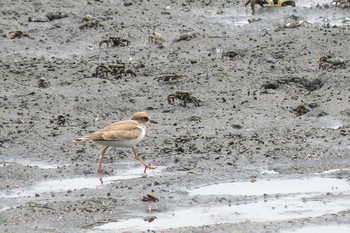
{"points": [[149, 198], [231, 54], [184, 96], [88, 18], [43, 83], [183, 139], [124, 71], [301, 110], [115, 42], [327, 60], [286, 3], [168, 78], [18, 34], [186, 36], [62, 119], [114, 69], [155, 38], [270, 2], [90, 25], [295, 24], [341, 2]]}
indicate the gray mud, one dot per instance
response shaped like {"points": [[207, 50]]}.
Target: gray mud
{"points": [[270, 114]]}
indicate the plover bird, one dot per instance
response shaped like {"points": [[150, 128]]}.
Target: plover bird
{"points": [[125, 134]]}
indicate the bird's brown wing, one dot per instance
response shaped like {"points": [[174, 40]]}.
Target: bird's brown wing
{"points": [[119, 130]]}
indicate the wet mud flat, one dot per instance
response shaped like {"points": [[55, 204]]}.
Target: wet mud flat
{"points": [[266, 150]]}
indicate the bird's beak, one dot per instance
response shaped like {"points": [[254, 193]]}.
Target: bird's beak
{"points": [[154, 122]]}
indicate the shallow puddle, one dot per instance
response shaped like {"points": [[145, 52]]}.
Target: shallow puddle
{"points": [[311, 3], [313, 185], [76, 183], [56, 51], [334, 18], [239, 16], [322, 229], [326, 122], [308, 198], [28, 162], [281, 209], [233, 17]]}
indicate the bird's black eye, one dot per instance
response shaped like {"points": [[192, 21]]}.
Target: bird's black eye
{"points": [[145, 118]]}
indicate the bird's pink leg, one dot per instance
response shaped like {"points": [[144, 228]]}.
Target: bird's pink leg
{"points": [[100, 165], [141, 161]]}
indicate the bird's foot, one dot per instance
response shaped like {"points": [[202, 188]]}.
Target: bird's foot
{"points": [[149, 167]]}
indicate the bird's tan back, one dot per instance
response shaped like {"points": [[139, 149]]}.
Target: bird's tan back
{"points": [[119, 130]]}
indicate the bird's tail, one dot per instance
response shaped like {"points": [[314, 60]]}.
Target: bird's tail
{"points": [[86, 138], [78, 140]]}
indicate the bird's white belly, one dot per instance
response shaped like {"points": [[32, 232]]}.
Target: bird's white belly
{"points": [[124, 142]]}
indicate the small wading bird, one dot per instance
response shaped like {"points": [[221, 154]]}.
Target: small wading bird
{"points": [[125, 134]]}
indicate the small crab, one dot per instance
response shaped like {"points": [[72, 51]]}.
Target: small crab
{"points": [[231, 54], [155, 38], [286, 3], [260, 2], [326, 60], [90, 24], [184, 96], [186, 36], [102, 68], [270, 2], [88, 18], [252, 20], [341, 2], [115, 42], [126, 72], [149, 198], [43, 83], [168, 78], [295, 23], [301, 110], [150, 218], [18, 34], [183, 139], [114, 69], [62, 119]]}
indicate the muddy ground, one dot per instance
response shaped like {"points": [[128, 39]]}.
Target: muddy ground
{"points": [[270, 108]]}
